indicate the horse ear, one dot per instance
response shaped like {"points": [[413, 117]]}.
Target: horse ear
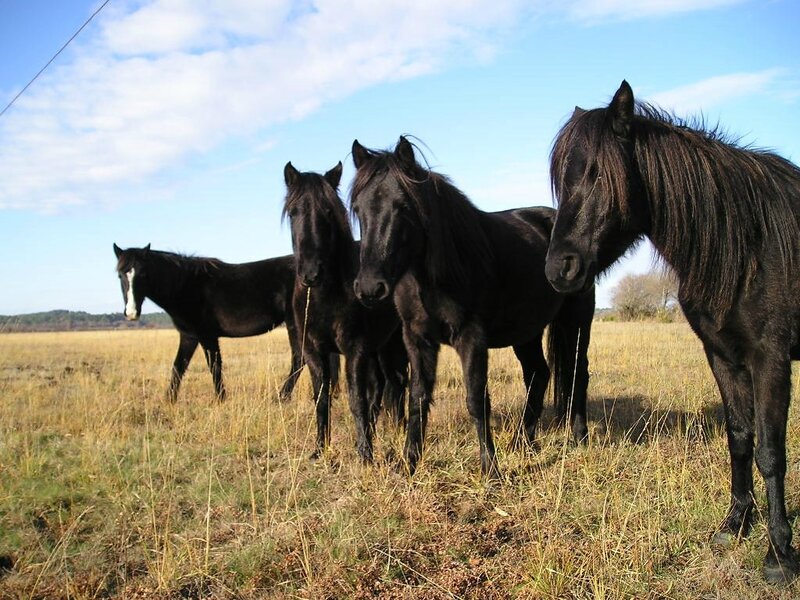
{"points": [[334, 176], [621, 110], [290, 175], [147, 249], [578, 111], [117, 250], [360, 154], [405, 151]]}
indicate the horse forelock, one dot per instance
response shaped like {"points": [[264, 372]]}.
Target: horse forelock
{"points": [[457, 249], [313, 187], [590, 133]]}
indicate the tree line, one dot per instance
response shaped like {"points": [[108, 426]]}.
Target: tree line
{"points": [[67, 320]]}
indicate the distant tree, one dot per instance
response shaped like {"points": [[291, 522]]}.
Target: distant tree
{"points": [[645, 295]]}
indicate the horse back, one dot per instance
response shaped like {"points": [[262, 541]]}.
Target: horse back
{"points": [[244, 299]]}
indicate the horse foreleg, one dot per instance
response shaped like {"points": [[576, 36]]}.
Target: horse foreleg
{"points": [[536, 375], [736, 388], [296, 362], [568, 346], [423, 357], [771, 384], [359, 366], [394, 366], [186, 347], [472, 349], [319, 369]]}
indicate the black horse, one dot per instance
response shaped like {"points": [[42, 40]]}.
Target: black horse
{"points": [[725, 218], [470, 279], [334, 321], [208, 299]]}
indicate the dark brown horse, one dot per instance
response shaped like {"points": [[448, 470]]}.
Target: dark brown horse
{"points": [[208, 299], [470, 279], [725, 218], [333, 320]]}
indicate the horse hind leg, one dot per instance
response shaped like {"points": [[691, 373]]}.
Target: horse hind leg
{"points": [[214, 360]]}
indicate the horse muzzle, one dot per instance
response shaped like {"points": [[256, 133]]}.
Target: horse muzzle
{"points": [[371, 290], [568, 272]]}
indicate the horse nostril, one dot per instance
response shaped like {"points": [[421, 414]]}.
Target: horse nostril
{"points": [[566, 265], [381, 289], [570, 267]]}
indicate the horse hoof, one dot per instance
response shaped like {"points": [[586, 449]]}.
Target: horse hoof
{"points": [[491, 472], [783, 572], [780, 575], [315, 455], [581, 436], [524, 442], [723, 539]]}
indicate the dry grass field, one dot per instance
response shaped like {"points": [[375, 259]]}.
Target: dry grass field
{"points": [[108, 492]]}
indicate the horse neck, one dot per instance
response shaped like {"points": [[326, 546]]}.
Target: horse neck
{"points": [[171, 280], [342, 262], [457, 252]]}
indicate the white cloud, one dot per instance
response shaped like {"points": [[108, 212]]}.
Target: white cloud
{"points": [[714, 91], [625, 10], [518, 184], [161, 81], [170, 78]]}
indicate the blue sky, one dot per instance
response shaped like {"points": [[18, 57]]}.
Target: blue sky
{"points": [[169, 121]]}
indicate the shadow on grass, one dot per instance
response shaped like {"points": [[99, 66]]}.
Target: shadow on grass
{"points": [[632, 419], [629, 419]]}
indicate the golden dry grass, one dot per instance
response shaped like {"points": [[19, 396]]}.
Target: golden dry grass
{"points": [[106, 491]]}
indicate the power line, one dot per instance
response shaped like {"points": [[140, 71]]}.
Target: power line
{"points": [[35, 77]]}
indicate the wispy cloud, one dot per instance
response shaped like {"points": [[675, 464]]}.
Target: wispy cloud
{"points": [[591, 11], [711, 92], [171, 78]]}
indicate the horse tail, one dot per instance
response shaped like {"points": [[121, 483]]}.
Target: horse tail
{"points": [[567, 350]]}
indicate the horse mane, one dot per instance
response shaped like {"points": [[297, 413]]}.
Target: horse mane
{"points": [[185, 263], [313, 186], [713, 203], [458, 250]]}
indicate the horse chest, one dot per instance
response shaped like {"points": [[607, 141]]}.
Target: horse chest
{"points": [[428, 312]]}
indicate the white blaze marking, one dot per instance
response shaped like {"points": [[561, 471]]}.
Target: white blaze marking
{"points": [[130, 306]]}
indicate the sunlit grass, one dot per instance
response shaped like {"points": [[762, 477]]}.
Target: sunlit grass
{"points": [[108, 491]]}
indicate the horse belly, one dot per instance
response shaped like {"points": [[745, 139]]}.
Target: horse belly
{"points": [[243, 323]]}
